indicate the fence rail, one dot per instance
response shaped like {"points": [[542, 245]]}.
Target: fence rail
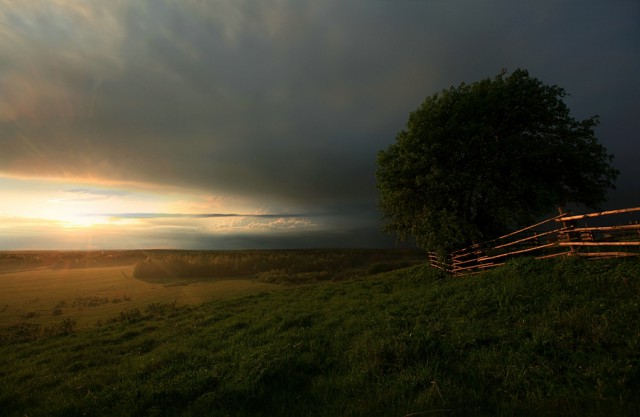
{"points": [[557, 236]]}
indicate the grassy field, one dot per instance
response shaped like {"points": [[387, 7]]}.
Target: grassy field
{"points": [[44, 288], [531, 338], [45, 296]]}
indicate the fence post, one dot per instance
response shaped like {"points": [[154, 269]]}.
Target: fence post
{"points": [[567, 225], [437, 260]]}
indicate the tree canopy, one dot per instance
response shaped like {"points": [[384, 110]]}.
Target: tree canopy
{"points": [[480, 159]]}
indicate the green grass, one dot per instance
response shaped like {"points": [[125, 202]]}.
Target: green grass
{"points": [[556, 338], [44, 288]]}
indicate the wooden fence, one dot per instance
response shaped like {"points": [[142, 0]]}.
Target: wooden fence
{"points": [[616, 233]]}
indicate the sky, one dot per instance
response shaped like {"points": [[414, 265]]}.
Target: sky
{"points": [[238, 124]]}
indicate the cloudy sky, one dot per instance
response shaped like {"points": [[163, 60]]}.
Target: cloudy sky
{"points": [[252, 124]]}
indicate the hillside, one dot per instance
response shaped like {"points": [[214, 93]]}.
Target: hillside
{"points": [[531, 338]]}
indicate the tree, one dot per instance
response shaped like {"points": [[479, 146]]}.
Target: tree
{"points": [[481, 159]]}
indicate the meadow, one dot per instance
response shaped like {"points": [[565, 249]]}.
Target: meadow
{"points": [[532, 338], [44, 288]]}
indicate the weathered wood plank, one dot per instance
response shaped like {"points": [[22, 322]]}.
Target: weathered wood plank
{"points": [[602, 213], [607, 228], [577, 243], [608, 254]]}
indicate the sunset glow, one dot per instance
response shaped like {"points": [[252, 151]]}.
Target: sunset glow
{"points": [[59, 214]]}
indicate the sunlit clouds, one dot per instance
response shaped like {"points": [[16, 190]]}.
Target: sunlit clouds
{"points": [[55, 215]]}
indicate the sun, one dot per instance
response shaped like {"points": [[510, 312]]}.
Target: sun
{"points": [[81, 221]]}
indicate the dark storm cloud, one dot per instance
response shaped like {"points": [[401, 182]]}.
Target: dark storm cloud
{"points": [[285, 100]]}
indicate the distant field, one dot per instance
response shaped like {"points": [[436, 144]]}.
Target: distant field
{"points": [[44, 295], [41, 288]]}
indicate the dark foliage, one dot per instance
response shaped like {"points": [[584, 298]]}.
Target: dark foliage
{"points": [[269, 266], [479, 159]]}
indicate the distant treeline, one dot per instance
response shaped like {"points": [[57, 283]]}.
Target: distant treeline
{"points": [[273, 265], [18, 260]]}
